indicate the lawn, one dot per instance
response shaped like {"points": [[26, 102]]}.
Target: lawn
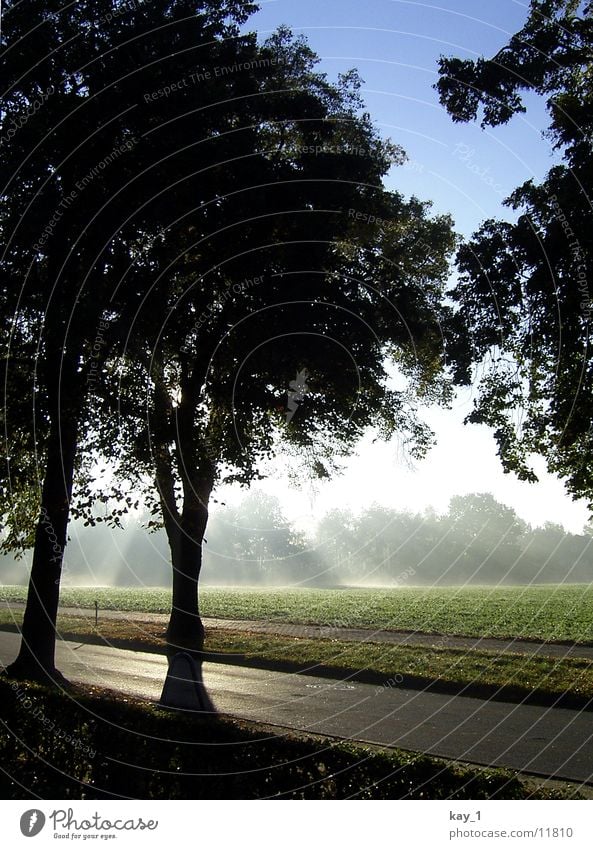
{"points": [[545, 612]]}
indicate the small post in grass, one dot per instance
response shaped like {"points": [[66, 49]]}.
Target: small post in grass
{"points": [[96, 612]]}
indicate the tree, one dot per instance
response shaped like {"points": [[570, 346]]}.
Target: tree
{"points": [[488, 536], [337, 547], [256, 540], [524, 289], [76, 148], [275, 310], [193, 246]]}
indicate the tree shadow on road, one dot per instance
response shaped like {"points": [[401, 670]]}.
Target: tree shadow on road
{"points": [[184, 687]]}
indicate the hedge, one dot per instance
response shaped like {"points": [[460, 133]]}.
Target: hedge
{"points": [[85, 744]]}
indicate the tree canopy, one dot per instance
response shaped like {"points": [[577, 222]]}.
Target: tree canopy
{"points": [[524, 289], [76, 204]]}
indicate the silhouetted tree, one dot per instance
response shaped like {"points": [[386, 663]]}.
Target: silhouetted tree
{"points": [[85, 132], [275, 308], [221, 267], [525, 287]]}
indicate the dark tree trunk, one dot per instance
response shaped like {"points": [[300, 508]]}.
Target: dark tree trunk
{"points": [[165, 484], [185, 530], [36, 659], [185, 625]]}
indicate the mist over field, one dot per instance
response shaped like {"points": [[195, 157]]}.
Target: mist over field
{"points": [[478, 541]]}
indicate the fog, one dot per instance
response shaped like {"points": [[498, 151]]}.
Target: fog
{"points": [[478, 541]]}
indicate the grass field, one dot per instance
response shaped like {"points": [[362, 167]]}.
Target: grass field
{"points": [[551, 612]]}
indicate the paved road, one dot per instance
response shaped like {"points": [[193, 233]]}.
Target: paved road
{"points": [[552, 742], [403, 638]]}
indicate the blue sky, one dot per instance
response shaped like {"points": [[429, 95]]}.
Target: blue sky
{"points": [[395, 45], [466, 171]]}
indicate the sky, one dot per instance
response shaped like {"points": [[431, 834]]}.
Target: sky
{"points": [[395, 45], [465, 171]]}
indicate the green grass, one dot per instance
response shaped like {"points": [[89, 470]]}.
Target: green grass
{"points": [[551, 612], [508, 676]]}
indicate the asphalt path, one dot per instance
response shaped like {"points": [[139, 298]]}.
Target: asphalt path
{"points": [[330, 632], [552, 742]]}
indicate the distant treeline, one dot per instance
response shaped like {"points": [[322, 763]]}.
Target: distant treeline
{"points": [[477, 541]]}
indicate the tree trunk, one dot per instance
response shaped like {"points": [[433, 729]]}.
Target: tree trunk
{"points": [[165, 484], [185, 629], [36, 659], [185, 531]]}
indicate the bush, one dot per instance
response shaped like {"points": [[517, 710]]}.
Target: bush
{"points": [[91, 745]]}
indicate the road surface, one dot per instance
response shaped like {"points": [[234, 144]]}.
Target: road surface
{"points": [[547, 741]]}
